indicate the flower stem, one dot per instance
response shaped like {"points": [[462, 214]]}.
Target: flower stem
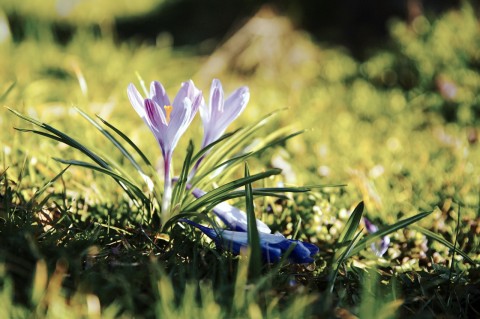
{"points": [[167, 191]]}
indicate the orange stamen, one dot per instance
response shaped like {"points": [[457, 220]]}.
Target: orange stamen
{"points": [[168, 111]]}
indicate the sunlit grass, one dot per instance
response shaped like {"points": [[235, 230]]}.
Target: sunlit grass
{"points": [[73, 242]]}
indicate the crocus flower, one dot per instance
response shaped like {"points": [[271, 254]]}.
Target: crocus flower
{"points": [[219, 113], [273, 246], [232, 217], [167, 121], [381, 246]]}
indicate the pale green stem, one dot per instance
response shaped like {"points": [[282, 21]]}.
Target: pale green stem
{"points": [[167, 191]]}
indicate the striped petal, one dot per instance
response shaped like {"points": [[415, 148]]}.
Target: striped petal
{"points": [[158, 94], [136, 100], [219, 113]]}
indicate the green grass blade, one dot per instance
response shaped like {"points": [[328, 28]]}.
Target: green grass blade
{"points": [[64, 138], [137, 150], [344, 256], [230, 163], [180, 186], [228, 148], [112, 139], [352, 224], [56, 138], [103, 165], [207, 148], [221, 166], [128, 140], [241, 193], [41, 133], [457, 230], [442, 241], [220, 192], [388, 230], [276, 141], [44, 188], [271, 192], [255, 264], [348, 232], [266, 143], [120, 147], [125, 183]]}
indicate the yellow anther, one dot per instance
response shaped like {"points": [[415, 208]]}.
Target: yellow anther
{"points": [[168, 111]]}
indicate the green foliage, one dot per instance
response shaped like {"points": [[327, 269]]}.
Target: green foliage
{"points": [[436, 61]]}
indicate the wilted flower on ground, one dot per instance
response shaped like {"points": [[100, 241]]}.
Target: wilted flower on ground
{"points": [[273, 246], [234, 218], [219, 113], [167, 121], [381, 246]]}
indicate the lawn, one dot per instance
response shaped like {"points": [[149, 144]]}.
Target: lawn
{"points": [[375, 162]]}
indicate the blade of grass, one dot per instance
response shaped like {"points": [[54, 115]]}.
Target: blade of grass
{"points": [[120, 179], [135, 147], [53, 137], [64, 138], [224, 167], [241, 193], [113, 140], [228, 148], [220, 166], [255, 264], [128, 140], [124, 152], [452, 262], [344, 256], [180, 186], [207, 148], [272, 192], [352, 224], [348, 232], [259, 149], [388, 230], [276, 141], [267, 142], [41, 133], [220, 192], [442, 241], [294, 189], [44, 188]]}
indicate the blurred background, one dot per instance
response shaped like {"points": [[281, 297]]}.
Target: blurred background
{"points": [[203, 24]]}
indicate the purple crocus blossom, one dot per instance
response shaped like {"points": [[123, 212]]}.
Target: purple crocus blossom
{"points": [[234, 218], [273, 246], [167, 121], [219, 113], [381, 246]]}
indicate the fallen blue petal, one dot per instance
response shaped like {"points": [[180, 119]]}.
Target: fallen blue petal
{"points": [[273, 246]]}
